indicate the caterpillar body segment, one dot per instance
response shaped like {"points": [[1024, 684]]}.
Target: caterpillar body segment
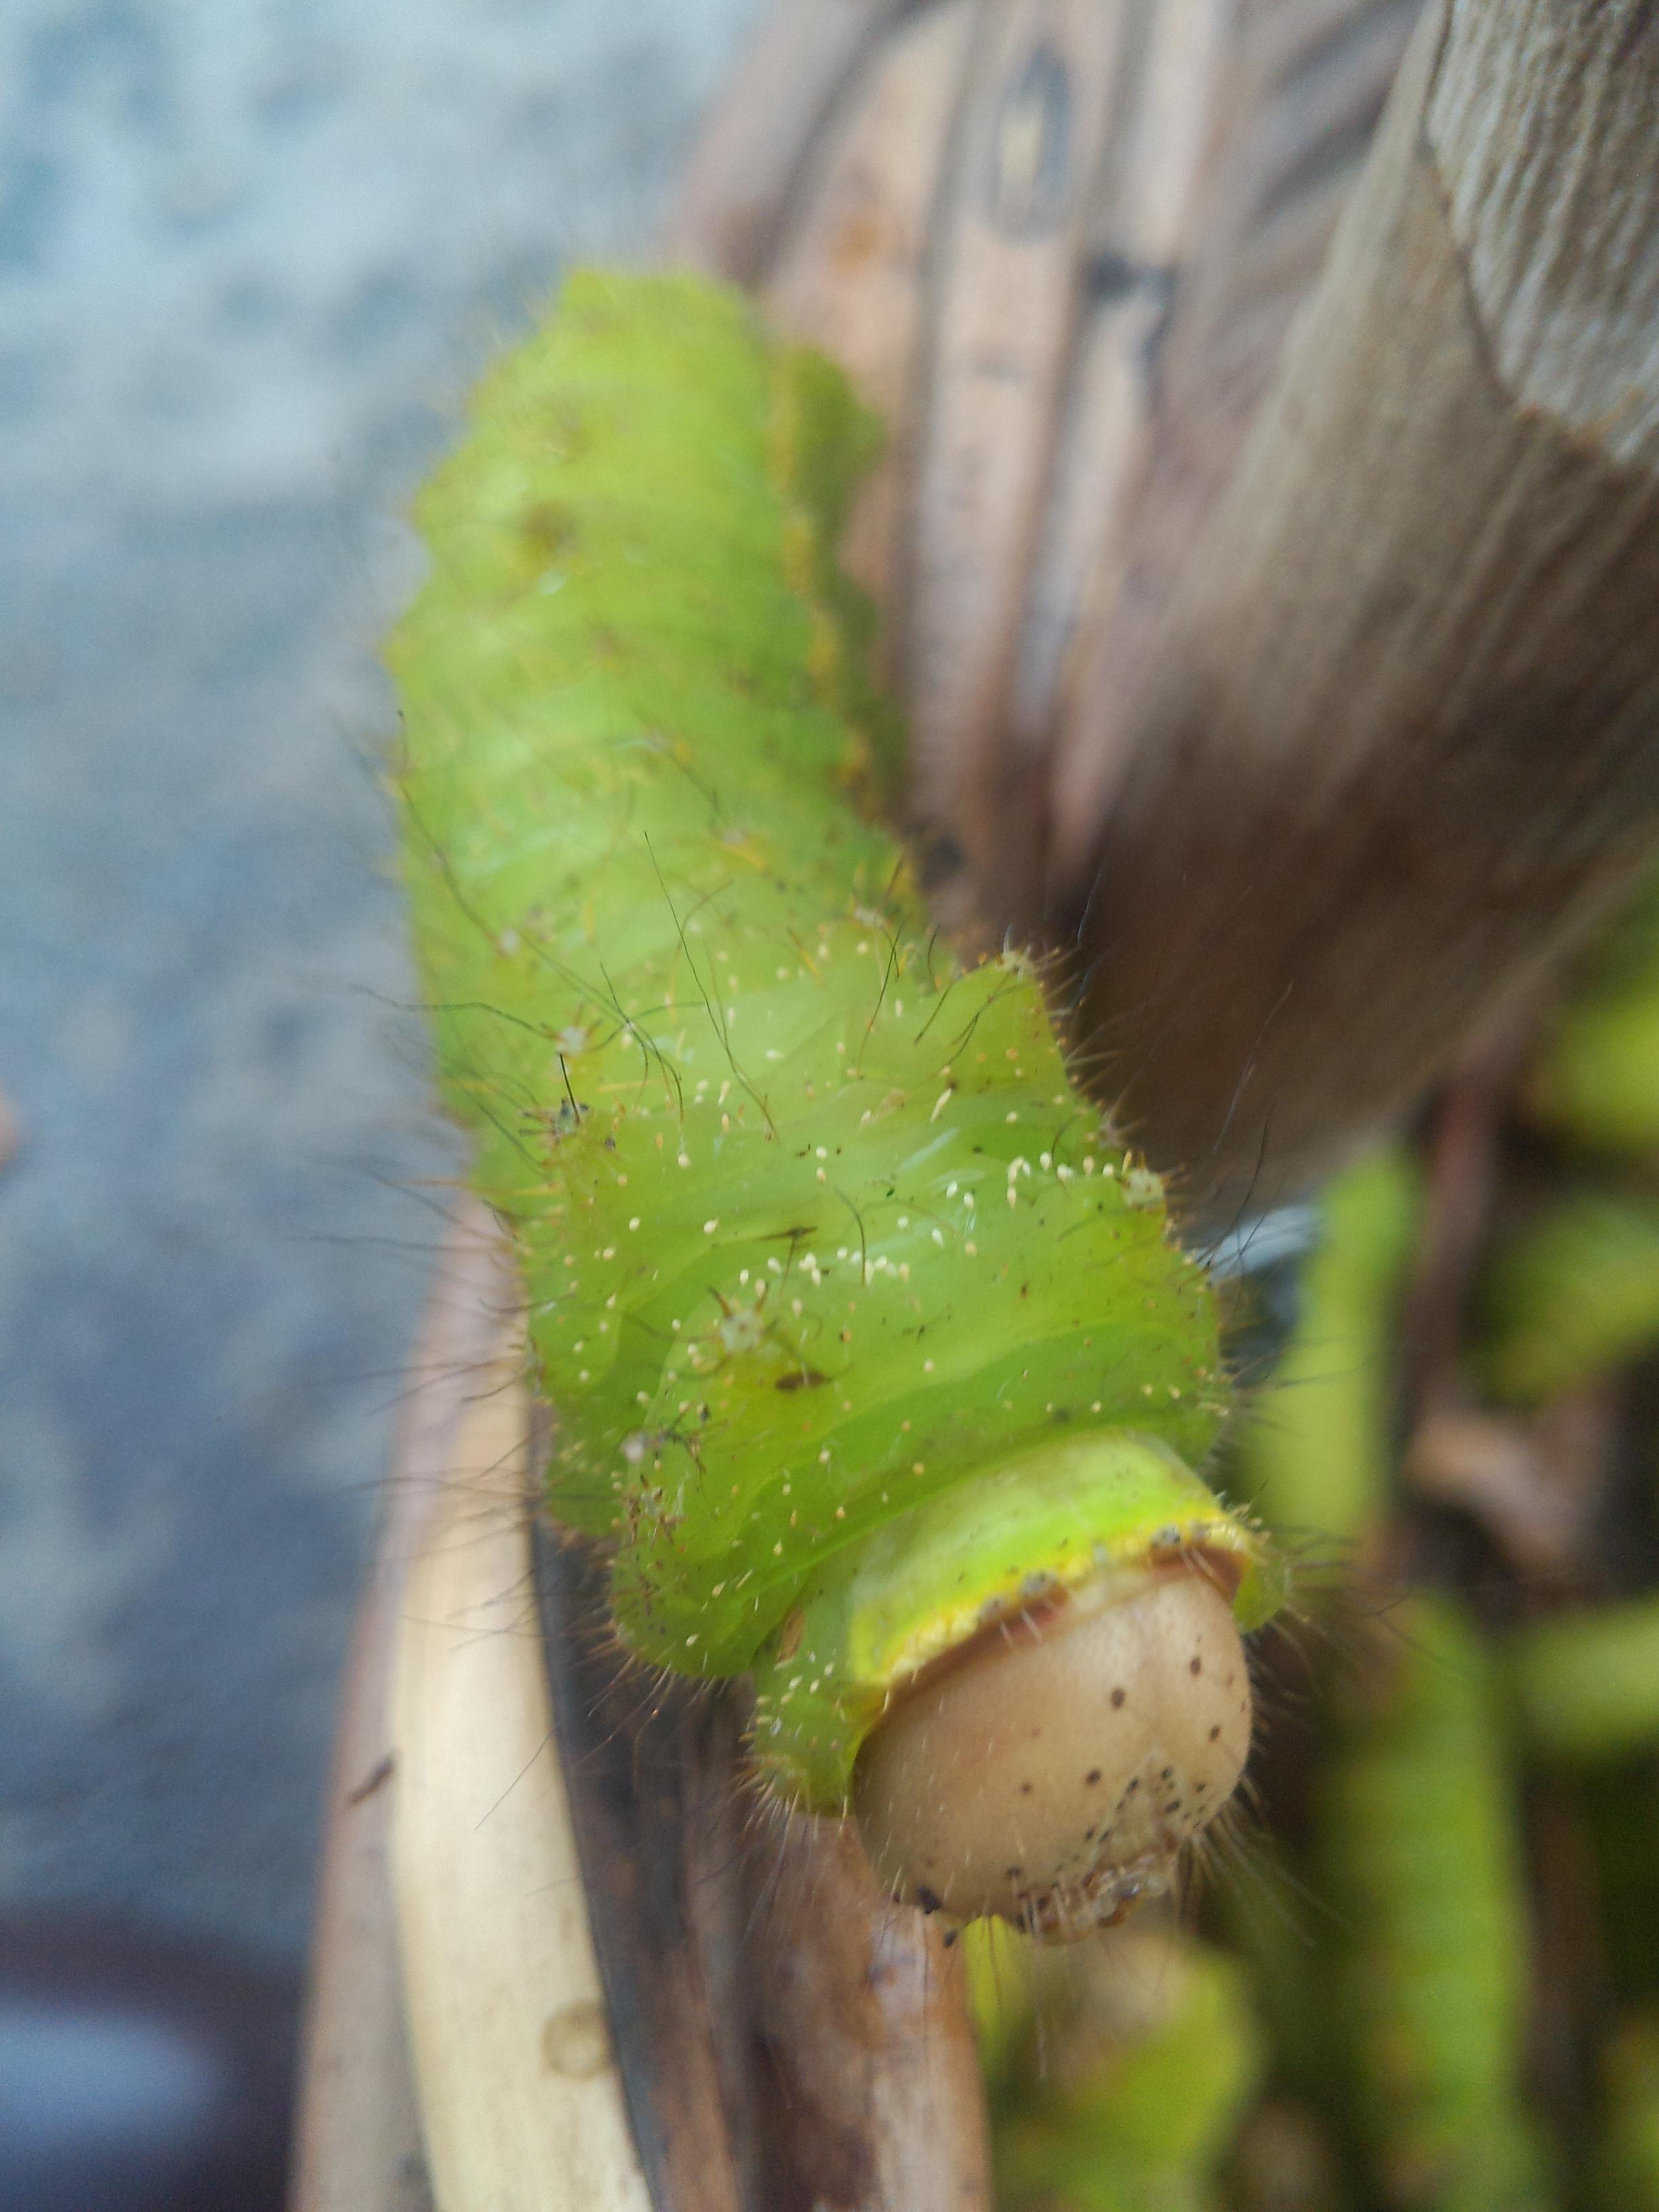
{"points": [[1315, 1452], [1625, 2175], [1595, 1082], [1419, 1837], [1126, 2089], [827, 1262], [1571, 1295]]}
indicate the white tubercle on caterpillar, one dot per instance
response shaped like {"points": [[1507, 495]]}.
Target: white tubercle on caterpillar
{"points": [[1052, 1772]]}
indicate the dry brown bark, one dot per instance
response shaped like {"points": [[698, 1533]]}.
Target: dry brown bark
{"points": [[1398, 739]]}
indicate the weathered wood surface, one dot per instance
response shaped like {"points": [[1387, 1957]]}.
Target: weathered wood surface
{"points": [[521, 2107], [1398, 739], [1007, 266], [991, 240], [850, 270], [1126, 693], [357, 2144], [1067, 365], [654, 1779], [750, 159], [788, 2038], [1297, 92]]}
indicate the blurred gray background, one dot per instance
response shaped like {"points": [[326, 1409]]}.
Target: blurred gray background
{"points": [[251, 254]]}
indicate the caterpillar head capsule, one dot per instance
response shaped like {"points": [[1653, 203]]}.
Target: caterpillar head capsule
{"points": [[1051, 1770], [1031, 1691]]}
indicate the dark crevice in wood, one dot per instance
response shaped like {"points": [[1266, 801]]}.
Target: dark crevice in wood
{"points": [[630, 1754]]}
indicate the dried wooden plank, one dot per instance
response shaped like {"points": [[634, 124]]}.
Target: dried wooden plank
{"points": [[357, 2144], [1139, 242], [732, 204], [1296, 89], [863, 2008], [1397, 741], [850, 273], [642, 1757], [521, 2102], [1027, 142]]}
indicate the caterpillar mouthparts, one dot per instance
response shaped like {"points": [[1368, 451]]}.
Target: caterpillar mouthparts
{"points": [[1051, 1773]]}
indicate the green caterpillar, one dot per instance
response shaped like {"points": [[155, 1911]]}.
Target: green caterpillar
{"points": [[1595, 1079], [1122, 2087], [1416, 1816], [870, 1354], [1626, 2172], [1571, 1295], [1316, 1455]]}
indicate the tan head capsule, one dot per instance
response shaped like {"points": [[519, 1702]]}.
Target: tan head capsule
{"points": [[1052, 1770]]}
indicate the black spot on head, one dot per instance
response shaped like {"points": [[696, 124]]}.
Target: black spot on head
{"points": [[1174, 1805], [1118, 1695], [950, 1936], [929, 1900], [1014, 1872], [1025, 1789], [1133, 1783], [1167, 1775], [1195, 1665], [1215, 1732], [1092, 1777]]}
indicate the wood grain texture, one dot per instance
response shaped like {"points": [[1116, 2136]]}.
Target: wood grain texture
{"points": [[1174, 66], [1397, 740], [1064, 398], [521, 2105], [649, 1766], [1295, 88], [733, 200], [863, 2007], [1542, 126], [357, 2144], [850, 272], [1006, 285]]}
